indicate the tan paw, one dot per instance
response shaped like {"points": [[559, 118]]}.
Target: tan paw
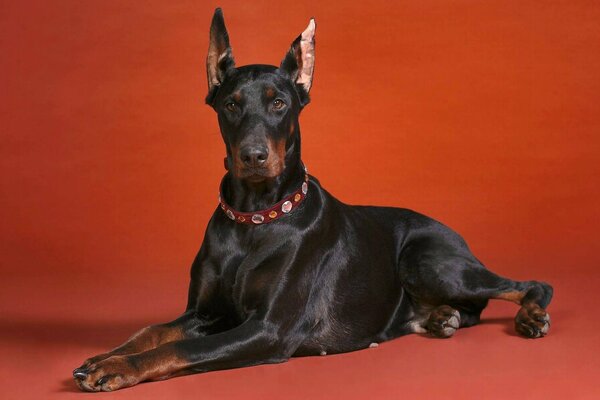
{"points": [[532, 321], [443, 322], [106, 375]]}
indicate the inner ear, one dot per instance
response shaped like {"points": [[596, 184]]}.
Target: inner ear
{"points": [[299, 62], [220, 58]]}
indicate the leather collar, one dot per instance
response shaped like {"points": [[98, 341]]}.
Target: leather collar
{"points": [[273, 213]]}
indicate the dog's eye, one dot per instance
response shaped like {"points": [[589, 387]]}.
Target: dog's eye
{"points": [[278, 104], [230, 106]]}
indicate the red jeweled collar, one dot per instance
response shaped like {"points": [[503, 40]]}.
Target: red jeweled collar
{"points": [[271, 214]]}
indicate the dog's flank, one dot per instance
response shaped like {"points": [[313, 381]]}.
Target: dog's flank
{"points": [[285, 269]]}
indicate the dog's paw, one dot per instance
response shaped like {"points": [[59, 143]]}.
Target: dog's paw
{"points": [[443, 322], [107, 375], [532, 321]]}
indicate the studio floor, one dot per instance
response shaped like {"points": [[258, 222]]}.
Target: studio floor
{"points": [[46, 334]]}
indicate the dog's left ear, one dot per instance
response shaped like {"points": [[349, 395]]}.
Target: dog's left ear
{"points": [[299, 62]]}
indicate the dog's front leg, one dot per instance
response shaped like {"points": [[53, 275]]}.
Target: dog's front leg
{"points": [[253, 342], [186, 326]]}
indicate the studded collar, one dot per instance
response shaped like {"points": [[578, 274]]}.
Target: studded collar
{"points": [[285, 206]]}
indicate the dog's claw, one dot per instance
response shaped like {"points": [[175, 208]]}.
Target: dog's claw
{"points": [[80, 373], [102, 380]]}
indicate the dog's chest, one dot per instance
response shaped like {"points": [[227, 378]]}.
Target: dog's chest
{"points": [[252, 276], [249, 286]]}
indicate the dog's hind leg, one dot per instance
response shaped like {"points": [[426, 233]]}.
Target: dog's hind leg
{"points": [[532, 319], [450, 288]]}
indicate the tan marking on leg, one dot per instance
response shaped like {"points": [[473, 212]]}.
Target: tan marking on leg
{"points": [[161, 363], [514, 296], [152, 337], [143, 340], [118, 371]]}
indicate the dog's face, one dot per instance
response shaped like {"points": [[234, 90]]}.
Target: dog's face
{"points": [[258, 105]]}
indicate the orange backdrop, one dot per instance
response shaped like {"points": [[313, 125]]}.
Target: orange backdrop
{"points": [[483, 115]]}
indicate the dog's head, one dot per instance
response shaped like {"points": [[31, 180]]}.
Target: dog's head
{"points": [[258, 105]]}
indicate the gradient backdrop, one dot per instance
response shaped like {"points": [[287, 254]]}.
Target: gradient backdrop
{"points": [[483, 114]]}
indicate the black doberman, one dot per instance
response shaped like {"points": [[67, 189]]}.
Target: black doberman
{"points": [[286, 269]]}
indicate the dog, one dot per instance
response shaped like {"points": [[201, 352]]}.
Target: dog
{"points": [[286, 269]]}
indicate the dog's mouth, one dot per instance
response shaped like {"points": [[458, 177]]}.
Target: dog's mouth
{"points": [[255, 174], [256, 177]]}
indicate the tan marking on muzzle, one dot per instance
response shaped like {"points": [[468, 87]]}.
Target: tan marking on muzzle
{"points": [[276, 160]]}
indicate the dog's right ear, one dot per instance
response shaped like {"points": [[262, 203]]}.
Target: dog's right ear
{"points": [[220, 58]]}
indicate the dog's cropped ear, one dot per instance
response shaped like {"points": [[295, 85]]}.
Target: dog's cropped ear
{"points": [[220, 58], [299, 62]]}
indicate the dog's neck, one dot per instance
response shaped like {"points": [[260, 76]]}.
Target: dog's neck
{"points": [[249, 197]]}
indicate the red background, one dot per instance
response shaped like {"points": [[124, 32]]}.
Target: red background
{"points": [[484, 115]]}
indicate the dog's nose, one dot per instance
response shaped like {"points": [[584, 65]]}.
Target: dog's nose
{"points": [[254, 156]]}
